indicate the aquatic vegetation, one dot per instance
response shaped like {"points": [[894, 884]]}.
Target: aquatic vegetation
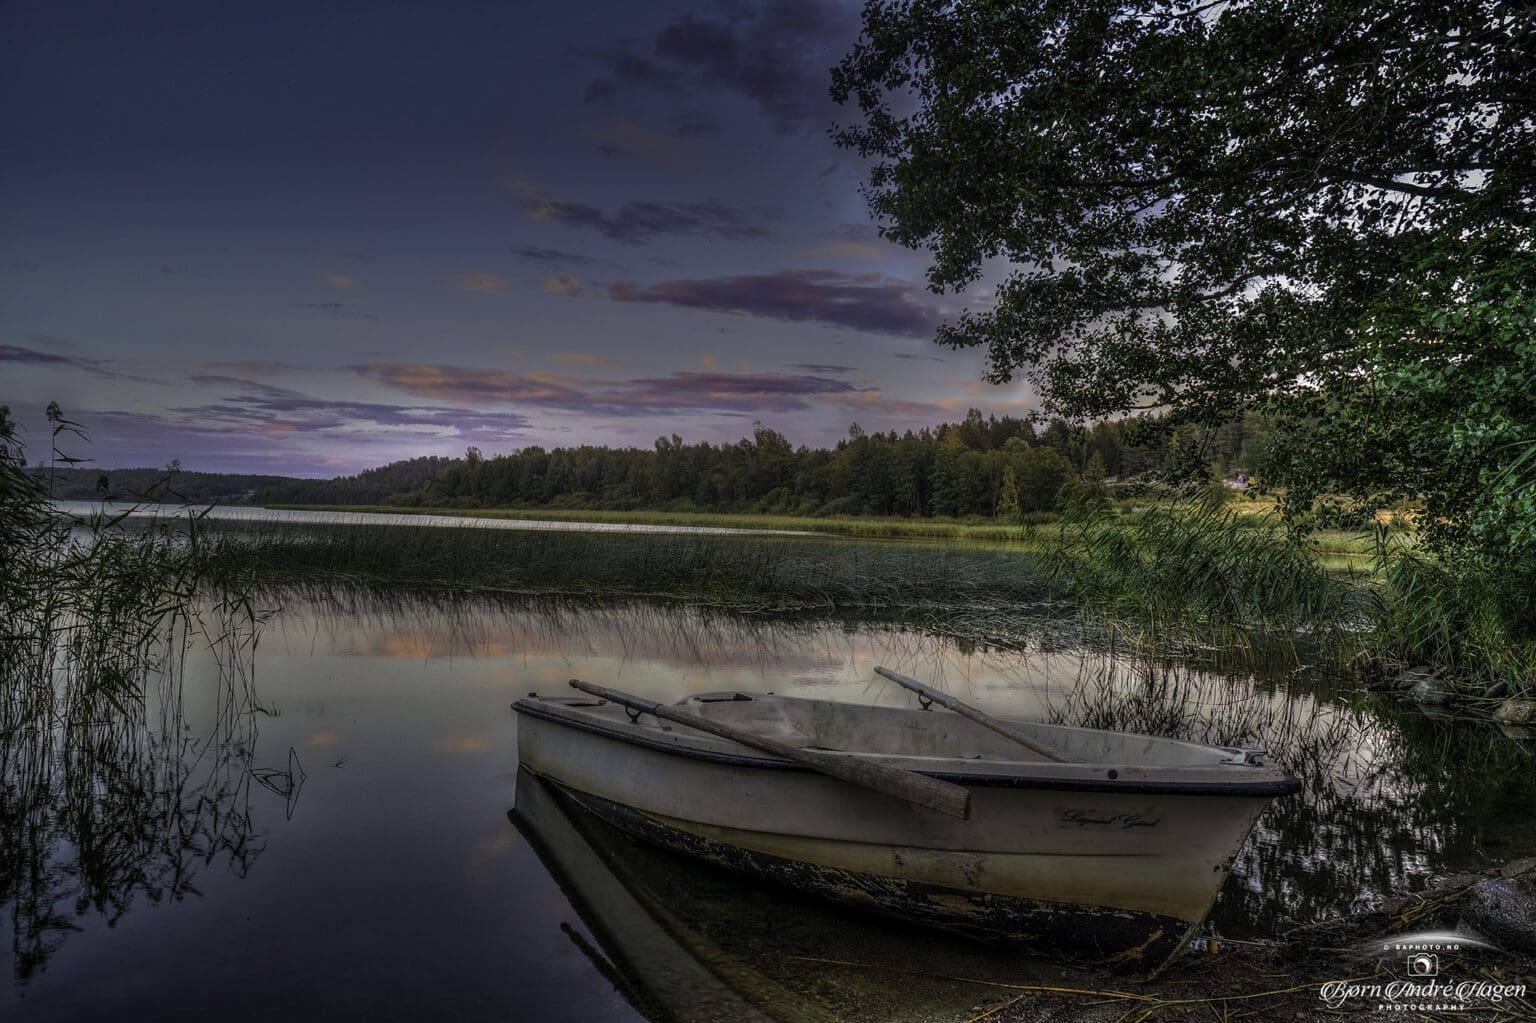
{"points": [[1472, 618], [748, 571], [1202, 573], [108, 791]]}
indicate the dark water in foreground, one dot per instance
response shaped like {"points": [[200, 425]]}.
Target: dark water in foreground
{"points": [[324, 830]]}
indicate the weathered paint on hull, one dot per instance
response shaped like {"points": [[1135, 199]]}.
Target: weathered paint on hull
{"points": [[1117, 939], [1111, 864]]}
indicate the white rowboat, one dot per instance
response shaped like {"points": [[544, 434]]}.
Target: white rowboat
{"points": [[1111, 856]]}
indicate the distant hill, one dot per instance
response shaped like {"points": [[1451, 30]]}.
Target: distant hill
{"points": [[86, 484], [370, 486]]}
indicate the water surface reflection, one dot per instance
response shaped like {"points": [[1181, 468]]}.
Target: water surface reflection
{"points": [[392, 885]]}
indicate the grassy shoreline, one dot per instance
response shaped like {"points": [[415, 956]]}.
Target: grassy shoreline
{"points": [[1174, 574], [1337, 549], [869, 527]]}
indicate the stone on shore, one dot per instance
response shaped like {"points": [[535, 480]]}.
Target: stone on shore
{"points": [[1433, 691], [1503, 910], [1514, 711]]}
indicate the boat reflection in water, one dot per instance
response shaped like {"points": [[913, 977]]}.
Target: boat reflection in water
{"points": [[692, 943]]}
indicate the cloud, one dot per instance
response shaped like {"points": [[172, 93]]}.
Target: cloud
{"points": [[638, 220], [663, 395], [925, 358], [16, 353], [466, 385], [693, 124], [561, 285], [33, 357], [628, 139], [268, 411], [342, 309], [261, 428], [868, 303], [775, 52], [341, 282], [267, 367], [584, 359], [817, 367], [480, 283], [863, 251], [559, 257], [875, 403]]}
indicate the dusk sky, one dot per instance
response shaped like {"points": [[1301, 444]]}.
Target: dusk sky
{"points": [[312, 238]]}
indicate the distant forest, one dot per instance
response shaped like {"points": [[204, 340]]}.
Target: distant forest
{"points": [[981, 466]]}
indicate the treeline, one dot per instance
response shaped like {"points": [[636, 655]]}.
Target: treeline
{"points": [[371, 486], [981, 466]]}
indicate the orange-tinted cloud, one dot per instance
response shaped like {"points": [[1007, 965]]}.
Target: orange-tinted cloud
{"points": [[561, 285], [755, 393], [480, 283]]}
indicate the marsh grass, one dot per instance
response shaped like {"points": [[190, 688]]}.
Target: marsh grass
{"points": [[1189, 580], [1192, 577], [108, 792], [1337, 549], [1474, 619], [1198, 575], [743, 571]]}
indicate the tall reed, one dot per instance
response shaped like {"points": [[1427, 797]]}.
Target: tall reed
{"points": [[1201, 574], [106, 793]]}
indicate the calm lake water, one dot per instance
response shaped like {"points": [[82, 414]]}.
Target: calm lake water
{"points": [[242, 513], [332, 826]]}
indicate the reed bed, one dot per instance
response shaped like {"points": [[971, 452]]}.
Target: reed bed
{"points": [[746, 572], [108, 792], [1195, 577], [1182, 579]]}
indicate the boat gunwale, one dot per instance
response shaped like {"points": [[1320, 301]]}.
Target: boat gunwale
{"points": [[571, 717]]}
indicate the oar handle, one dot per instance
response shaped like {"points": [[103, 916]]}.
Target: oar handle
{"points": [[965, 710], [943, 796]]}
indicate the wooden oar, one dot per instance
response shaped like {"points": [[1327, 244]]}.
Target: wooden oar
{"points": [[893, 781], [965, 710]]}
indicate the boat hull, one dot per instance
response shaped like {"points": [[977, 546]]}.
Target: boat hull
{"points": [[1092, 935], [1112, 874]]}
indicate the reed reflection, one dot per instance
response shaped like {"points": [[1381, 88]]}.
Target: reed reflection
{"points": [[121, 792], [1392, 797]]}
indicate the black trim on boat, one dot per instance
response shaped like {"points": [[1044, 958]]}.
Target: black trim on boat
{"points": [[1278, 787]]}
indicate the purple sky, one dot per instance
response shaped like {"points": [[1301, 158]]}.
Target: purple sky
{"points": [[311, 238]]}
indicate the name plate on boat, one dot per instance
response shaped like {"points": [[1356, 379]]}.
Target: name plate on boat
{"points": [[1106, 820]]}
